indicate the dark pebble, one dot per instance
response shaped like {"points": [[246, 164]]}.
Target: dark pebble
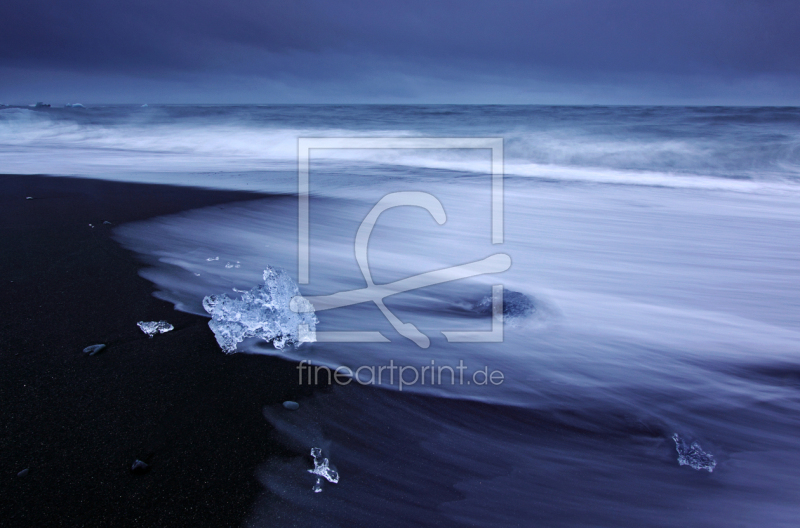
{"points": [[93, 349], [139, 467]]}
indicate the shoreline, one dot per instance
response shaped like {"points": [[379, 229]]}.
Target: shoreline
{"points": [[175, 401]]}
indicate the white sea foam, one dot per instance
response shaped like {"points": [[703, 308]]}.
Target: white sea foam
{"points": [[235, 151], [617, 274]]}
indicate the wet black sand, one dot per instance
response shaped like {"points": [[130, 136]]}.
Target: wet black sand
{"points": [[78, 422]]}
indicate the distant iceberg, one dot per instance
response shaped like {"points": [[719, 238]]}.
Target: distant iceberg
{"points": [[693, 455], [74, 105], [262, 312]]}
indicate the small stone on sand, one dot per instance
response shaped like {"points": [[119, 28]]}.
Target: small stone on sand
{"points": [[93, 349], [139, 467]]}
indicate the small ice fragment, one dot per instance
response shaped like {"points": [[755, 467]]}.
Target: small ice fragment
{"points": [[229, 265], [153, 327], [197, 274], [90, 225], [322, 469], [516, 305], [144, 105], [23, 473], [693, 455], [106, 222], [210, 259], [292, 406], [263, 312], [93, 349], [29, 197], [139, 467]]}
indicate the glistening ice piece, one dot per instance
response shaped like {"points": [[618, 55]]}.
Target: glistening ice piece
{"points": [[262, 312]]}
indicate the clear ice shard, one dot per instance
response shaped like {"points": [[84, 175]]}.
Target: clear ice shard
{"points": [[322, 469], [693, 455], [152, 328], [262, 312]]}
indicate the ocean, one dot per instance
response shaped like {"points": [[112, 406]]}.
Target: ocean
{"points": [[647, 366]]}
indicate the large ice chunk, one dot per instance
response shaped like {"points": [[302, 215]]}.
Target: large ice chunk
{"points": [[262, 312], [693, 455]]}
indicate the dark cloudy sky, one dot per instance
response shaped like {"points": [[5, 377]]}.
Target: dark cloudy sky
{"points": [[265, 51]]}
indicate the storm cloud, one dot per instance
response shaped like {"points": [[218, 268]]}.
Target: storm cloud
{"points": [[390, 51]]}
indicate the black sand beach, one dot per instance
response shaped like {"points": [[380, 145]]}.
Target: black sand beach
{"points": [[79, 422]]}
